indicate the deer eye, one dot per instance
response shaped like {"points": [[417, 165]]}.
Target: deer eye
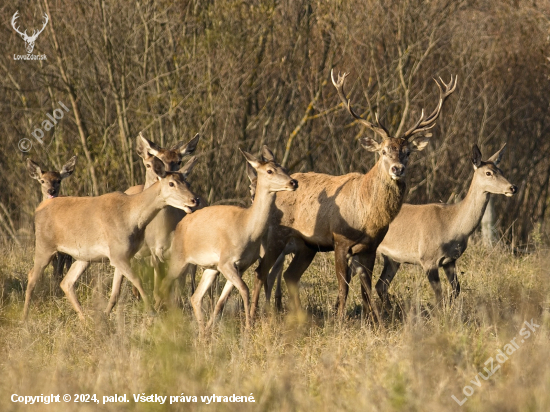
{"points": [[488, 173], [269, 171], [171, 184], [149, 166], [41, 181], [383, 152]]}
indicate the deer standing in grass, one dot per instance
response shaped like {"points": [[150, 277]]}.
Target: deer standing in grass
{"points": [[436, 235], [227, 239], [349, 214], [159, 233], [50, 183], [110, 226]]}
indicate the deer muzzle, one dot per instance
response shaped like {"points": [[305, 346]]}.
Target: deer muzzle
{"points": [[397, 171]]}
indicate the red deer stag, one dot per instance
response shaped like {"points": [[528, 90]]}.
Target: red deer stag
{"points": [[349, 214]]}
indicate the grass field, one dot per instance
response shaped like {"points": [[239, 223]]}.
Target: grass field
{"points": [[415, 361]]}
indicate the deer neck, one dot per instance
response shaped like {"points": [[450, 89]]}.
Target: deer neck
{"points": [[258, 214], [381, 197], [470, 210], [149, 181], [144, 206]]}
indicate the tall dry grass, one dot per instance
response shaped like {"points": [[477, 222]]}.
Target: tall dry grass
{"points": [[414, 361]]}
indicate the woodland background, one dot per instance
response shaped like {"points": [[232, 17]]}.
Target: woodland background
{"points": [[248, 73]]}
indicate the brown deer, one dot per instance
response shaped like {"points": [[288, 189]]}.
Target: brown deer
{"points": [[227, 239], [110, 226], [349, 214], [159, 233], [436, 235], [50, 183]]}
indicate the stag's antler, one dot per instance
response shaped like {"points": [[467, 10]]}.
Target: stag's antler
{"points": [[35, 35], [423, 125], [339, 84], [15, 16]]}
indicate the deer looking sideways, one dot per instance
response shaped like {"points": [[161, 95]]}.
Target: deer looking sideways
{"points": [[436, 235], [349, 214], [110, 226], [159, 233], [230, 236], [50, 183]]}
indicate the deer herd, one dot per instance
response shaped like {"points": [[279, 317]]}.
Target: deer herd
{"points": [[355, 215]]}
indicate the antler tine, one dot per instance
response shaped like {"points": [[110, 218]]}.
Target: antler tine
{"points": [[339, 85], [34, 33], [15, 17], [379, 124], [429, 122]]}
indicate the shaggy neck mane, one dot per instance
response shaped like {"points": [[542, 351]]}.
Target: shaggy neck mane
{"points": [[380, 197]]}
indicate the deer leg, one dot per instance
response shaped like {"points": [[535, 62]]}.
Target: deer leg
{"points": [[433, 277], [208, 277], [157, 275], [192, 270], [40, 263], [232, 275], [343, 275], [57, 265], [363, 265], [221, 303], [67, 284], [115, 291], [279, 292], [68, 261], [262, 272], [450, 271], [388, 273], [126, 270], [176, 268], [301, 261], [275, 275]]}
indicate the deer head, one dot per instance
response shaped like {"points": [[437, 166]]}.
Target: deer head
{"points": [[488, 176], [269, 173], [394, 151], [50, 181], [28, 39], [171, 157]]}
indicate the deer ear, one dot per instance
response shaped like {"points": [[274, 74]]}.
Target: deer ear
{"points": [[186, 149], [267, 154], [255, 163], [251, 173], [370, 144], [159, 168], [34, 169], [476, 156], [420, 143], [146, 148], [188, 167], [68, 168], [497, 157]]}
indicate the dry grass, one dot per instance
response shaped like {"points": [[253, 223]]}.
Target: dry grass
{"points": [[414, 362]]}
